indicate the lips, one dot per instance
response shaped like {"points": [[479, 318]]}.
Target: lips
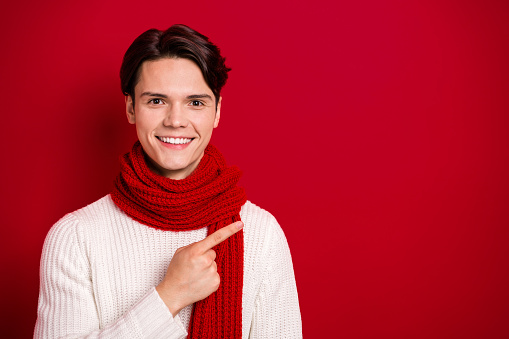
{"points": [[175, 141]]}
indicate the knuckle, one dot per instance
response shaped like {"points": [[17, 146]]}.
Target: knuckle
{"points": [[193, 251], [201, 261], [216, 281]]}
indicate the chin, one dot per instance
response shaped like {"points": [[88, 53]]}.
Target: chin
{"points": [[167, 169]]}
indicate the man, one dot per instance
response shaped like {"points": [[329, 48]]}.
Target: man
{"points": [[176, 249]]}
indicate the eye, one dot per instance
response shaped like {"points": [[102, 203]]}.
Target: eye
{"points": [[155, 101], [196, 103]]}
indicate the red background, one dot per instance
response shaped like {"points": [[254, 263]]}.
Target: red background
{"points": [[375, 131]]}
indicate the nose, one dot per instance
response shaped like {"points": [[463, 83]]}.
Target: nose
{"points": [[175, 117]]}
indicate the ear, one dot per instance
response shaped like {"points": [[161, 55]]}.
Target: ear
{"points": [[218, 112], [129, 109]]}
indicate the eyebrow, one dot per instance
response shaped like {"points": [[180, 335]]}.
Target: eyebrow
{"points": [[199, 96], [151, 94], [192, 96]]}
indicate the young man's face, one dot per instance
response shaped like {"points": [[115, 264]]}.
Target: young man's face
{"points": [[174, 111]]}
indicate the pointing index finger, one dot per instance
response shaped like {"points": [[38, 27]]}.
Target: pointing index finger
{"points": [[220, 235]]}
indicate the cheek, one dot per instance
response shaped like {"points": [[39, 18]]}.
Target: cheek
{"points": [[145, 124], [207, 123]]}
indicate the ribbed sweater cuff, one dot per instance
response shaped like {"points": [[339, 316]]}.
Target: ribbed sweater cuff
{"points": [[155, 319]]}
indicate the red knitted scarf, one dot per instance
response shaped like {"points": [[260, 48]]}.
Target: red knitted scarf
{"points": [[209, 197]]}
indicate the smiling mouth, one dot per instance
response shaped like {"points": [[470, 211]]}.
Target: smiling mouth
{"points": [[175, 141]]}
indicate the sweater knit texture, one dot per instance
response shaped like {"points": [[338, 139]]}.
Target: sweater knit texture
{"points": [[99, 269]]}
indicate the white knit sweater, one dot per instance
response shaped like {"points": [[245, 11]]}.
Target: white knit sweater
{"points": [[99, 269]]}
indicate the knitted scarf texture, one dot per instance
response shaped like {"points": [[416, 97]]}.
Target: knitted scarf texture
{"points": [[209, 197]]}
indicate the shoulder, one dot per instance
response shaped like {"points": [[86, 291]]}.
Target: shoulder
{"points": [[99, 210], [262, 232], [97, 215], [252, 213], [72, 226], [258, 220]]}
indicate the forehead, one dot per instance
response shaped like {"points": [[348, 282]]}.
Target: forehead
{"points": [[171, 76]]}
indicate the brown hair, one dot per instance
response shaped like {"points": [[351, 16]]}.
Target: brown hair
{"points": [[178, 41]]}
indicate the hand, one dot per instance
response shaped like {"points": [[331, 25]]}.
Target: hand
{"points": [[192, 273]]}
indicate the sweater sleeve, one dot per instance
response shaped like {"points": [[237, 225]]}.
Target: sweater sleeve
{"points": [[67, 306], [277, 312]]}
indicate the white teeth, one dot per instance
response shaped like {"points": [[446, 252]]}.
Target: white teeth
{"points": [[175, 141]]}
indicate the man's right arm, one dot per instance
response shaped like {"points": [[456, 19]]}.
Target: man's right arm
{"points": [[67, 307]]}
